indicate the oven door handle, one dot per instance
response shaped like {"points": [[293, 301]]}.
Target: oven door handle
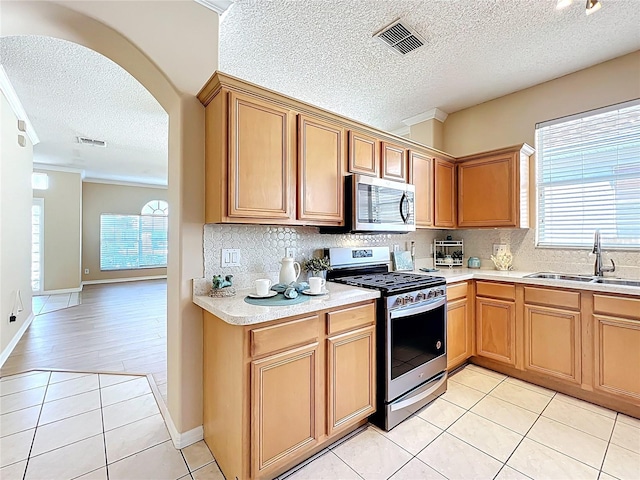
{"points": [[407, 312], [416, 398]]}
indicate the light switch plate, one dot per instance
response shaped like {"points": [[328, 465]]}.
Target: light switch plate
{"points": [[499, 248], [230, 257]]}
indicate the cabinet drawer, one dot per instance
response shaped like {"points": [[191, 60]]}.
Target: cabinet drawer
{"points": [[622, 306], [496, 290], [556, 298], [457, 290], [278, 337], [350, 318]]}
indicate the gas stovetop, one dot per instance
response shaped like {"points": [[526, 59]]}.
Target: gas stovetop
{"points": [[392, 282]]}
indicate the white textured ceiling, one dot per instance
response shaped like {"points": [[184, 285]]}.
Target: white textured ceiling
{"points": [[68, 90], [322, 51]]}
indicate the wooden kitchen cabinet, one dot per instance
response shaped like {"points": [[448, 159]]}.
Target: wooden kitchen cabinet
{"points": [[493, 188], [421, 175], [276, 392], [617, 346], [394, 162], [496, 321], [444, 199], [285, 398], [364, 154], [552, 333], [459, 325], [321, 158], [260, 159]]}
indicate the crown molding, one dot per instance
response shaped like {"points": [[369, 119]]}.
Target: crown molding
{"points": [[401, 132], [218, 6], [16, 105], [57, 168], [434, 113], [123, 183]]}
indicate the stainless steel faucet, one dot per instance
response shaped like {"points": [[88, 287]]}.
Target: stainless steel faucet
{"points": [[599, 269]]}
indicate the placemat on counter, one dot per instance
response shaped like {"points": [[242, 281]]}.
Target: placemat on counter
{"points": [[277, 301]]}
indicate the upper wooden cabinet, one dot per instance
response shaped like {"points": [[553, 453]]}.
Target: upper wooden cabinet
{"points": [[493, 188], [394, 162], [421, 175], [364, 154], [320, 171], [444, 179]]}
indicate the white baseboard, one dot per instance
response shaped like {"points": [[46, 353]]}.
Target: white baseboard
{"points": [[181, 440], [16, 338], [119, 280], [59, 291]]}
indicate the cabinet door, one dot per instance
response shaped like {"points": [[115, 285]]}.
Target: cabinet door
{"points": [[487, 192], [421, 175], [285, 398], [351, 377], [394, 162], [552, 342], [496, 329], [617, 356], [320, 171], [260, 164], [364, 154], [444, 177], [458, 333]]}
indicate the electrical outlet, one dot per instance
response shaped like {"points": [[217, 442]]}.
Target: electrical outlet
{"points": [[86, 271], [499, 248], [230, 257], [396, 247], [290, 252], [431, 249]]}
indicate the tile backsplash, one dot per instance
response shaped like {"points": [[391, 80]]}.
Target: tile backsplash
{"points": [[262, 248]]}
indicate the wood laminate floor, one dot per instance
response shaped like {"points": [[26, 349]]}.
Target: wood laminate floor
{"points": [[118, 327]]}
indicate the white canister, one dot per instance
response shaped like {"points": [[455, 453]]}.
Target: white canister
{"points": [[290, 270]]}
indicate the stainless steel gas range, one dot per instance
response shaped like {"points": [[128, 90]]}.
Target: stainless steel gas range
{"points": [[411, 331]]}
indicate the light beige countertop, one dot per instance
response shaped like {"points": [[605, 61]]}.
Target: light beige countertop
{"points": [[453, 275], [236, 311]]}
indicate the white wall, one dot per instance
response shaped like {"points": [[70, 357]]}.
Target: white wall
{"points": [[16, 164]]}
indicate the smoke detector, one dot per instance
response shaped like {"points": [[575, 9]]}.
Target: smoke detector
{"points": [[91, 141], [400, 38]]}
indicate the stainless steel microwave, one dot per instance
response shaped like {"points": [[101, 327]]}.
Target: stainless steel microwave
{"points": [[375, 205]]}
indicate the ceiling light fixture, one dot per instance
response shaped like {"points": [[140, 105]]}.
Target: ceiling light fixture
{"points": [[593, 6], [562, 4]]}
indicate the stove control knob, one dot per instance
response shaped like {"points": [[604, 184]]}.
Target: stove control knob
{"points": [[420, 296], [432, 293], [408, 299], [442, 291], [399, 302]]}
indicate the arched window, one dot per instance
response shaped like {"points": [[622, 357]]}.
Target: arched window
{"points": [[156, 207], [129, 242]]}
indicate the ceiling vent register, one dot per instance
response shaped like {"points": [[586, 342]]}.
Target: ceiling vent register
{"points": [[92, 142], [401, 38]]}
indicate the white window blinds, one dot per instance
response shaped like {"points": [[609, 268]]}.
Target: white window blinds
{"points": [[588, 178], [133, 241]]}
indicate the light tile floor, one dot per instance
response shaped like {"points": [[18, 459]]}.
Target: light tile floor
{"points": [[50, 303], [489, 426], [66, 425]]}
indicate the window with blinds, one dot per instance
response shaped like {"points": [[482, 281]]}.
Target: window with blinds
{"points": [[588, 178], [133, 241]]}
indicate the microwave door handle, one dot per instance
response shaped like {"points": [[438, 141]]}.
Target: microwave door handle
{"points": [[402, 215]]}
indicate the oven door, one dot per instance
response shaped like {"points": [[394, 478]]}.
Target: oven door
{"points": [[415, 346]]}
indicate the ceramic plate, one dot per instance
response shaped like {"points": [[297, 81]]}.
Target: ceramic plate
{"points": [[308, 292], [268, 295]]}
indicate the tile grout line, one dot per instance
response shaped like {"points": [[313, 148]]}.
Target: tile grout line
{"points": [[525, 436], [104, 436], [606, 450], [35, 430]]}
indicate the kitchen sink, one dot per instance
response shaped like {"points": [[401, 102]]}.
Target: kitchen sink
{"points": [[617, 281], [561, 276]]}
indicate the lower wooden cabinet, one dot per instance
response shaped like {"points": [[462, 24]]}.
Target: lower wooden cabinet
{"points": [[552, 342], [496, 329], [351, 379], [276, 392], [459, 325], [285, 395]]}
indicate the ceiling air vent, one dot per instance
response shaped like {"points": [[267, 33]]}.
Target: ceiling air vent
{"points": [[400, 38], [92, 142]]}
